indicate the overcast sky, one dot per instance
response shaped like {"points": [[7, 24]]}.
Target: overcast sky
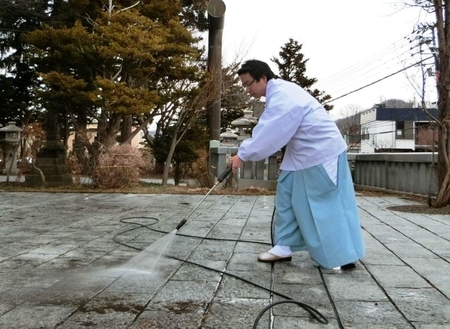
{"points": [[349, 44]]}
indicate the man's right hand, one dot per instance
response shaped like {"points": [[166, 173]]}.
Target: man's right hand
{"points": [[236, 162]]}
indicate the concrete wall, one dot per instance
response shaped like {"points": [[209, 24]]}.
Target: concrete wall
{"points": [[260, 174], [414, 173]]}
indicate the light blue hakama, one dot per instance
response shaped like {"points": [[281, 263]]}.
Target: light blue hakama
{"points": [[317, 215]]}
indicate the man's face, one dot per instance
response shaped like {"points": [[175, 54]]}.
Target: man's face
{"points": [[255, 88]]}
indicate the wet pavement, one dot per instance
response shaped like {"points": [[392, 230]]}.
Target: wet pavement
{"points": [[75, 260]]}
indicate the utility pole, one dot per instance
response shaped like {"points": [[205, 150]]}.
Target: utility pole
{"points": [[216, 12]]}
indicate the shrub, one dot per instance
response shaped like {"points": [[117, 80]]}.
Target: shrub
{"points": [[74, 168], [118, 167], [200, 169]]}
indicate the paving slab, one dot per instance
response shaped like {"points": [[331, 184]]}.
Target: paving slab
{"points": [[99, 260]]}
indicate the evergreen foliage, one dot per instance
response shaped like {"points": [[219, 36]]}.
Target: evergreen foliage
{"points": [[17, 77], [120, 65], [292, 67]]}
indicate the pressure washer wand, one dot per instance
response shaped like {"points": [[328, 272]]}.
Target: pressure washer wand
{"points": [[219, 180]]}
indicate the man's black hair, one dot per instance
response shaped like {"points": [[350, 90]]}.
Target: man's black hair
{"points": [[257, 69]]}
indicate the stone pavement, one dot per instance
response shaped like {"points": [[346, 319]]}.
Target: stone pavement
{"points": [[74, 260]]}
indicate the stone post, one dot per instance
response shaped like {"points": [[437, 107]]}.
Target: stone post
{"points": [[50, 167]]}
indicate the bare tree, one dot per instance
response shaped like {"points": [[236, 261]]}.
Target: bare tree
{"points": [[441, 11], [350, 126], [382, 144], [182, 117], [183, 112]]}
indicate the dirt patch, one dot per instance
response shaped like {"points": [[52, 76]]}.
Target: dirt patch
{"points": [[421, 207]]}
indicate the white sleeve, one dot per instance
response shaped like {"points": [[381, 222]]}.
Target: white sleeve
{"points": [[277, 125]]}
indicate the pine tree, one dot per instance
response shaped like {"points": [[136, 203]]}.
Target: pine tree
{"points": [[292, 67], [105, 64], [17, 77]]}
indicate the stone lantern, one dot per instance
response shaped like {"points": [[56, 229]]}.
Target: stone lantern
{"points": [[12, 135], [244, 124], [228, 138]]}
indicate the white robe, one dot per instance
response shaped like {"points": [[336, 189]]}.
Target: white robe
{"points": [[315, 202], [294, 118]]}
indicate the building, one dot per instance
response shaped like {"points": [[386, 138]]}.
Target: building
{"points": [[398, 130], [91, 132]]}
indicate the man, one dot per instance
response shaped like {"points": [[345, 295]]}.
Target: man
{"points": [[315, 199]]}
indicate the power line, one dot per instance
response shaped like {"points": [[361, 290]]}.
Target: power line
{"points": [[369, 69], [369, 73], [372, 83], [366, 63]]}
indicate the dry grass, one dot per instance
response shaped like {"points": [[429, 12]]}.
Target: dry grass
{"points": [[140, 188], [421, 205]]}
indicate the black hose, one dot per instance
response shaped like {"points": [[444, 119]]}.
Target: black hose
{"points": [[316, 314], [312, 311], [272, 227], [156, 221]]}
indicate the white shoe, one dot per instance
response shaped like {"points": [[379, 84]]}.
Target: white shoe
{"points": [[276, 254], [267, 257]]}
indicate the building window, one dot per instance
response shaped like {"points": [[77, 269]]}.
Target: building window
{"points": [[365, 134], [400, 129]]}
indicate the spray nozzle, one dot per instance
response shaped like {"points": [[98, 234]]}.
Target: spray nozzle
{"points": [[181, 224], [219, 180]]}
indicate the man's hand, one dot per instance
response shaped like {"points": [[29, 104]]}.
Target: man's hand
{"points": [[236, 162]]}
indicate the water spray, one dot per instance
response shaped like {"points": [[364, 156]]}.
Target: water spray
{"points": [[219, 180], [158, 247]]}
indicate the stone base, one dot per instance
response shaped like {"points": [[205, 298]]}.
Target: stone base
{"points": [[34, 179], [257, 183], [52, 162], [11, 172]]}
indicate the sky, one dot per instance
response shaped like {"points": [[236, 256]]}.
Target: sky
{"points": [[349, 44]]}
